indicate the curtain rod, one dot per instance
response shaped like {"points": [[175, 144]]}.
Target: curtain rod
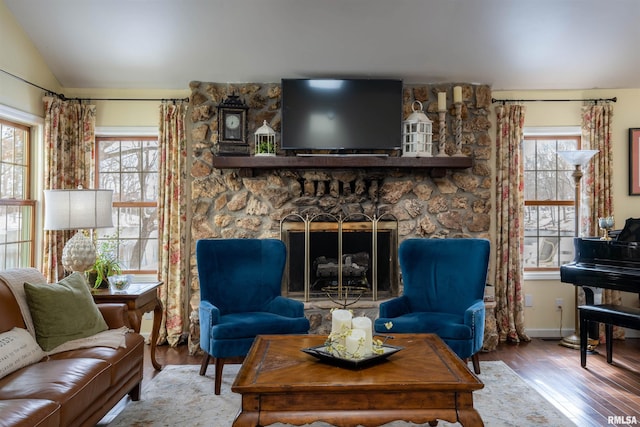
{"points": [[61, 96], [596, 100]]}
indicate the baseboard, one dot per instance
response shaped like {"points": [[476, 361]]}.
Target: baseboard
{"points": [[555, 333], [548, 333]]}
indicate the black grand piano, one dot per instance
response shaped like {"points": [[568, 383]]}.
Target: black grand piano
{"points": [[608, 264]]}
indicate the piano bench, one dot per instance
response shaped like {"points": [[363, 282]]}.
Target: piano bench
{"points": [[627, 317]]}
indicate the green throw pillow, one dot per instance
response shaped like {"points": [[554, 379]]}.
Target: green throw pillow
{"points": [[63, 311]]}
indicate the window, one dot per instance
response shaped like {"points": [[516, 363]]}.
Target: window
{"points": [[129, 167], [549, 211], [17, 210]]}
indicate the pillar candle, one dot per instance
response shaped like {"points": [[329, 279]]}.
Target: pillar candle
{"points": [[355, 344], [363, 323], [457, 94], [340, 322], [442, 101]]}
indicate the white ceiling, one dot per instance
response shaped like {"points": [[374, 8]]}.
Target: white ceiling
{"points": [[508, 44]]}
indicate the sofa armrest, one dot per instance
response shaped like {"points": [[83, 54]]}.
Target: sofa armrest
{"points": [[116, 315], [209, 316]]}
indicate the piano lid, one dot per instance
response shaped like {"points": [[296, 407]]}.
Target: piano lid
{"points": [[630, 232]]}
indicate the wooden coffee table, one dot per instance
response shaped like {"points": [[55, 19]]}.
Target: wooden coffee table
{"points": [[421, 383]]}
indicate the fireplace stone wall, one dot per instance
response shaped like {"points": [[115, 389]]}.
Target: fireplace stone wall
{"points": [[229, 204]]}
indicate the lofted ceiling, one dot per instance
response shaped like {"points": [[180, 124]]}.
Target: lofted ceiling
{"points": [[165, 44]]}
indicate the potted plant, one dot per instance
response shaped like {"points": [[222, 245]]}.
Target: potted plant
{"points": [[106, 265], [266, 148]]}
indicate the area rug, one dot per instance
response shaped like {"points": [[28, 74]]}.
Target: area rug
{"points": [[179, 396]]}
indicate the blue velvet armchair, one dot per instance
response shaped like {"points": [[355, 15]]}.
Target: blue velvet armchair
{"points": [[240, 298], [444, 281]]}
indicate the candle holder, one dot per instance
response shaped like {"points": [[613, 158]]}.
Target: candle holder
{"points": [[606, 224], [442, 135], [458, 153], [344, 295]]}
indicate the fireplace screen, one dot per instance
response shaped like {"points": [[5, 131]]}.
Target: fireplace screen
{"points": [[340, 256]]}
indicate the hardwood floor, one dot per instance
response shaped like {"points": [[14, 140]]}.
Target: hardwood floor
{"points": [[586, 396]]}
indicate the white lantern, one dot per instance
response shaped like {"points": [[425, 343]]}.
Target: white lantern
{"points": [[265, 140], [417, 133]]}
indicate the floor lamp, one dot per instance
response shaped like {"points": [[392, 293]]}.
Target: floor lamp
{"points": [[78, 209], [577, 158]]}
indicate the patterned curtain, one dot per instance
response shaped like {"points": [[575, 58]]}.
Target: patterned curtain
{"points": [[172, 220], [509, 218], [597, 188], [69, 138]]}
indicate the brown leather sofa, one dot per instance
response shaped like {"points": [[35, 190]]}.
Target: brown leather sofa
{"points": [[73, 388]]}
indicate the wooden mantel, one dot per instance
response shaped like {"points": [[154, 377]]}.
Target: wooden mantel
{"points": [[437, 165]]}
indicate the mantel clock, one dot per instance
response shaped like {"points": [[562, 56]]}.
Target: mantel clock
{"points": [[232, 127]]}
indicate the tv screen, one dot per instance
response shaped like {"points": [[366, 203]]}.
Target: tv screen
{"points": [[348, 114]]}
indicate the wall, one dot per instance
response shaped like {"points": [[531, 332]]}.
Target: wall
{"points": [[20, 57], [542, 319]]}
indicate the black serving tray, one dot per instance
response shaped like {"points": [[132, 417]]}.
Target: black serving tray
{"points": [[324, 355]]}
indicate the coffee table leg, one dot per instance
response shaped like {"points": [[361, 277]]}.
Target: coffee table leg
{"points": [[470, 418], [246, 419]]}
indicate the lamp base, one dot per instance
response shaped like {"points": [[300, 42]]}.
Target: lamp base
{"points": [[573, 341], [79, 254]]}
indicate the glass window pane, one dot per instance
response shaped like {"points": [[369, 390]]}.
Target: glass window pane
{"points": [[150, 187], [530, 220], [530, 252], [548, 252], [546, 155], [529, 185], [109, 155], [566, 250], [131, 187], [529, 154], [546, 185], [568, 144], [566, 186]]}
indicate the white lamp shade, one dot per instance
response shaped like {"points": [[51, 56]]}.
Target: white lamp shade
{"points": [[77, 209], [577, 157]]}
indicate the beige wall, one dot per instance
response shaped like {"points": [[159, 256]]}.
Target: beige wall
{"points": [[20, 57], [542, 319]]}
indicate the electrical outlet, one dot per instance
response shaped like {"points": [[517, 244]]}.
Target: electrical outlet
{"points": [[528, 300], [559, 303]]}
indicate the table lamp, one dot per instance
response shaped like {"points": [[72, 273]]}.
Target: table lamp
{"points": [[79, 209], [577, 158]]}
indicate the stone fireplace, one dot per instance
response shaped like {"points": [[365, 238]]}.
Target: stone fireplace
{"points": [[249, 201]]}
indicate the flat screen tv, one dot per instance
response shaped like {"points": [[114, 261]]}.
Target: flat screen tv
{"points": [[341, 114]]}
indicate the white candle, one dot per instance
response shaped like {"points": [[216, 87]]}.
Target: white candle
{"points": [[363, 323], [355, 344], [340, 322], [457, 94], [442, 101]]}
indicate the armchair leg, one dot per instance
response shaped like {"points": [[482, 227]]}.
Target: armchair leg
{"points": [[218, 379], [476, 363], [205, 363]]}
